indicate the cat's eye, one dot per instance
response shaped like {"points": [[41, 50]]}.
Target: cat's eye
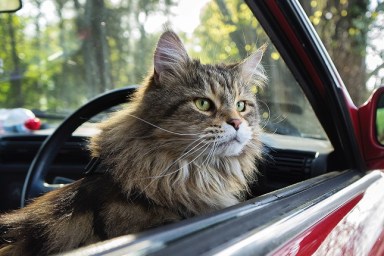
{"points": [[240, 106], [203, 104]]}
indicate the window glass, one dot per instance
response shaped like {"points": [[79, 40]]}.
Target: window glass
{"points": [[56, 55], [352, 32]]}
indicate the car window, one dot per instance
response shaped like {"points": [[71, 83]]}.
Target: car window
{"points": [[352, 32], [59, 54]]}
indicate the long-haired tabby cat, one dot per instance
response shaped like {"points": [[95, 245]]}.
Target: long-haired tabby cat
{"points": [[187, 144]]}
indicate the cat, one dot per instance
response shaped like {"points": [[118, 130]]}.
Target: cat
{"points": [[186, 145]]}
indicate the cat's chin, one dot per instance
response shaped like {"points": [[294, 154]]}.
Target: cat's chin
{"points": [[234, 142], [232, 148]]}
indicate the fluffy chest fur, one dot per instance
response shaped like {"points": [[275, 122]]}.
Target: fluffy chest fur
{"points": [[191, 182]]}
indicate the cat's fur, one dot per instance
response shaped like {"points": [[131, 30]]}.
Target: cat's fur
{"points": [[162, 158]]}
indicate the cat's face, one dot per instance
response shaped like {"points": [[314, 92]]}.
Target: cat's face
{"points": [[201, 110]]}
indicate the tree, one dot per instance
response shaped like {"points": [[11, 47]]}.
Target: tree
{"points": [[16, 74], [64, 52], [343, 27]]}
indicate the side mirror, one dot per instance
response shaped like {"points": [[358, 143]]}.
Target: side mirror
{"points": [[380, 119], [10, 5], [371, 123]]}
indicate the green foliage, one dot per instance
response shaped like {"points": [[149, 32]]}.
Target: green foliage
{"points": [[65, 52], [344, 27], [380, 124], [228, 32]]}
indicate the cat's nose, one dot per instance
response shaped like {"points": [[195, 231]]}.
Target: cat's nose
{"points": [[235, 123]]}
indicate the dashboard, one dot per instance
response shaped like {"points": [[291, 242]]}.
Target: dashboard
{"points": [[287, 160]]}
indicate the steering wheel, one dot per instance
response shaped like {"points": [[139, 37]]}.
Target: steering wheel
{"points": [[35, 184]]}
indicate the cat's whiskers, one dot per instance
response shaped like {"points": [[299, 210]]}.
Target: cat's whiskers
{"points": [[163, 129], [214, 147], [185, 155], [190, 151], [188, 163], [250, 143], [211, 152], [174, 139], [153, 178], [265, 123], [167, 143]]}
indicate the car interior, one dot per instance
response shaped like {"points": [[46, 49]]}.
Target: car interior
{"points": [[286, 160]]}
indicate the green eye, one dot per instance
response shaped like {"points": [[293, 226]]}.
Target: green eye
{"points": [[203, 104], [240, 106]]}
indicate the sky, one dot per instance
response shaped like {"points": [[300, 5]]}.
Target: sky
{"points": [[187, 20], [183, 19]]}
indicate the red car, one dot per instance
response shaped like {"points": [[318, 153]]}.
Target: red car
{"points": [[321, 188]]}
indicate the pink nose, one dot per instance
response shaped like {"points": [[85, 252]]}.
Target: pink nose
{"points": [[235, 123]]}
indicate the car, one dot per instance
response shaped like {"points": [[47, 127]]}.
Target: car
{"points": [[320, 187]]}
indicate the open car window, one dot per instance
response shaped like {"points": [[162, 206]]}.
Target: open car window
{"points": [[58, 55], [68, 52]]}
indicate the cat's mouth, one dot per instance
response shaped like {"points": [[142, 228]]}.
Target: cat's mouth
{"points": [[231, 144], [230, 147], [230, 141], [234, 140]]}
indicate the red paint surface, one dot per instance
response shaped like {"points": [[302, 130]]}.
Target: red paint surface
{"points": [[354, 228], [373, 151], [308, 242], [378, 248]]}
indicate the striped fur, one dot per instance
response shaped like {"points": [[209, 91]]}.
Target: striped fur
{"points": [[164, 158]]}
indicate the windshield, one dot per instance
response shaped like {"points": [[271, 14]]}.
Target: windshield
{"points": [[57, 55]]}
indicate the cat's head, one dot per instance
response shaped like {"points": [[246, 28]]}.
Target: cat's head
{"points": [[200, 109], [186, 109]]}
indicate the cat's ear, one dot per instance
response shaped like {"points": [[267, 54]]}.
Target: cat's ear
{"points": [[170, 53], [251, 69]]}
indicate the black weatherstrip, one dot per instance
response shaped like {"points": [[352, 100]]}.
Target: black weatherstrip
{"points": [[223, 230]]}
